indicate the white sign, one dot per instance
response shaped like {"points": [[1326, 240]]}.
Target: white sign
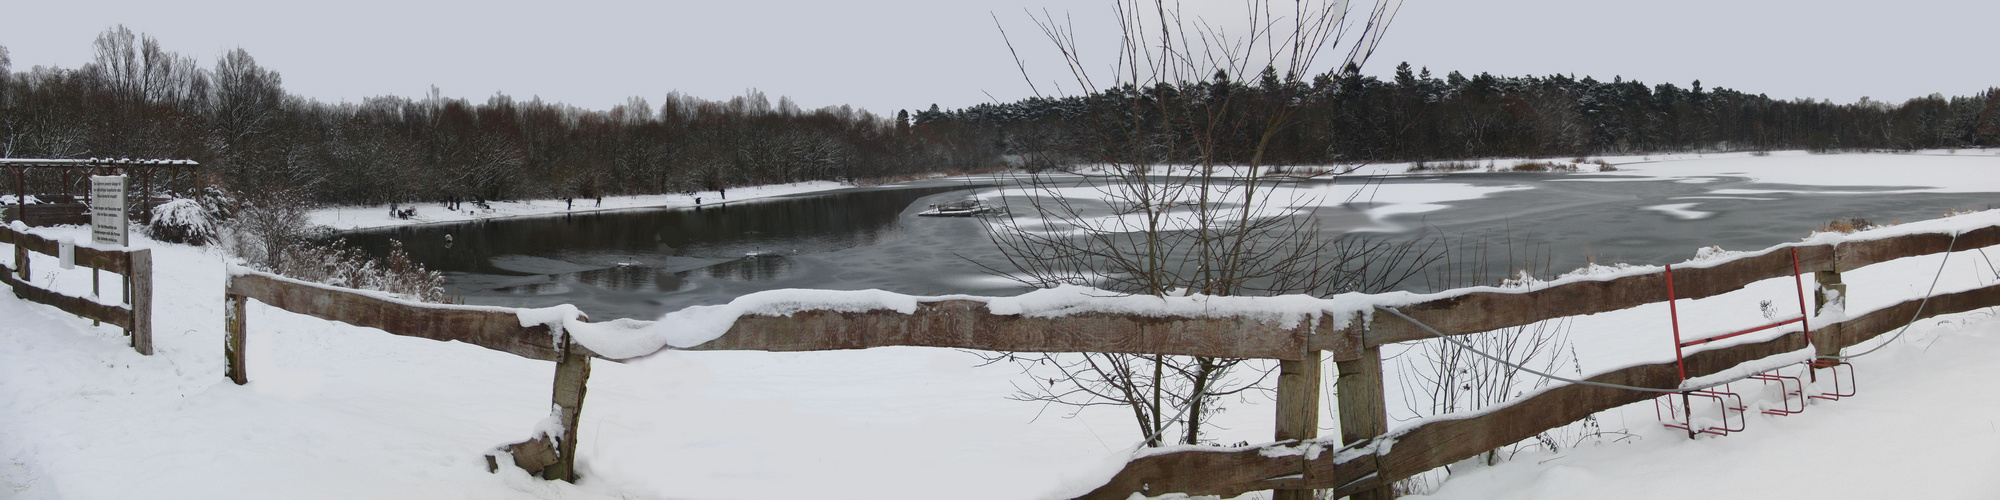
{"points": [[107, 210], [66, 254]]}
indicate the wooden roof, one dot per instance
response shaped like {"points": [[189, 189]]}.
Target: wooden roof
{"points": [[24, 163]]}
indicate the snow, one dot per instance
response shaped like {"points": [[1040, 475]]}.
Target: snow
{"points": [[336, 411], [1682, 211], [1918, 428], [699, 324], [1972, 172]]}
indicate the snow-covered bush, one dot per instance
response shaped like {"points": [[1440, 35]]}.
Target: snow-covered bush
{"points": [[274, 235], [344, 266], [182, 221]]}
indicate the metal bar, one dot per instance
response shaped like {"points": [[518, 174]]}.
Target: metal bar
{"points": [[1799, 283], [1697, 342], [1674, 313]]}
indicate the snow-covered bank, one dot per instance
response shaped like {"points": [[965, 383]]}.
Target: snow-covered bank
{"points": [[369, 217]]}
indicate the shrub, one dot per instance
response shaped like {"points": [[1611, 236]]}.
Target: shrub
{"points": [[1543, 166], [182, 221], [274, 235]]}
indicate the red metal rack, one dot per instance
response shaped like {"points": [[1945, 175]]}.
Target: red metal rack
{"points": [[1791, 388]]}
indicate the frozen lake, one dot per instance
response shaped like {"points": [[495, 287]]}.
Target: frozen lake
{"points": [[1658, 210]]}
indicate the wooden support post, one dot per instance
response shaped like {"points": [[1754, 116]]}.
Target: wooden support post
{"points": [[233, 324], [1363, 414], [572, 373], [146, 195], [139, 268], [1830, 292], [1298, 409], [21, 259]]}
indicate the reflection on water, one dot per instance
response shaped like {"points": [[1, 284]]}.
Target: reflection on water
{"points": [[581, 258], [625, 278], [631, 278], [762, 267]]}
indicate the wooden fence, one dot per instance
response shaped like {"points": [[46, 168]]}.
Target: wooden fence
{"points": [[1359, 463], [494, 328], [136, 267]]}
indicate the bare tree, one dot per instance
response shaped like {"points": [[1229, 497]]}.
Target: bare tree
{"points": [[1166, 210]]}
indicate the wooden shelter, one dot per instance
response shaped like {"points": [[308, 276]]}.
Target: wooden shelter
{"points": [[62, 207]]}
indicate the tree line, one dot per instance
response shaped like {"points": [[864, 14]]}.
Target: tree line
{"points": [[1345, 117], [138, 100]]}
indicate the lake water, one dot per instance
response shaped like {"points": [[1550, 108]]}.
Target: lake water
{"points": [[643, 263]]}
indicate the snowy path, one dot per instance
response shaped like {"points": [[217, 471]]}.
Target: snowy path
{"points": [[1925, 424], [351, 218]]}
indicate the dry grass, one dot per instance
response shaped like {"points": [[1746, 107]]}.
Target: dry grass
{"points": [[1847, 225], [1543, 166], [1449, 166]]}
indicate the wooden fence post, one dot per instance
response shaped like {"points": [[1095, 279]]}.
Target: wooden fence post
{"points": [[1298, 408], [1363, 415], [572, 373], [140, 268], [21, 258], [1831, 291], [233, 323]]}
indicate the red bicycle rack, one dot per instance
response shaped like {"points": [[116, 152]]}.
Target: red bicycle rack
{"points": [[1684, 411], [1833, 366], [1681, 416]]}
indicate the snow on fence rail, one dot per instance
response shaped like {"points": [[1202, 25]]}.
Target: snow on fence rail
{"points": [[136, 266], [1364, 461]]}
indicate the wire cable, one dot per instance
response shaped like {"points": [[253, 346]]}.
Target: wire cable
{"points": [[1518, 366], [1913, 316]]}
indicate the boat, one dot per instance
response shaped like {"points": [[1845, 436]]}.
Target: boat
{"points": [[967, 208]]}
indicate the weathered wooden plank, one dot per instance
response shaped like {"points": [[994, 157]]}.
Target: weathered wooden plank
{"points": [[233, 339], [1875, 323], [492, 329], [1427, 446], [572, 380], [1488, 311], [1298, 408], [142, 300], [1445, 442], [968, 325], [108, 260], [82, 307], [1857, 254], [1364, 414], [1224, 472]]}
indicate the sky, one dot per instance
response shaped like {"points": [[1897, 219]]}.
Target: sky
{"points": [[908, 54]]}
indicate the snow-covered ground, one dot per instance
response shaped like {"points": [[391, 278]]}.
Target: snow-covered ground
{"points": [[335, 411], [351, 217], [1921, 426]]}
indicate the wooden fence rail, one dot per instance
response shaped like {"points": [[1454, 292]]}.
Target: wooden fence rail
{"points": [[135, 266], [500, 329], [1382, 460], [1363, 466]]}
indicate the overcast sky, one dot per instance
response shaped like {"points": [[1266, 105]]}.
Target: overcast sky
{"points": [[889, 55]]}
